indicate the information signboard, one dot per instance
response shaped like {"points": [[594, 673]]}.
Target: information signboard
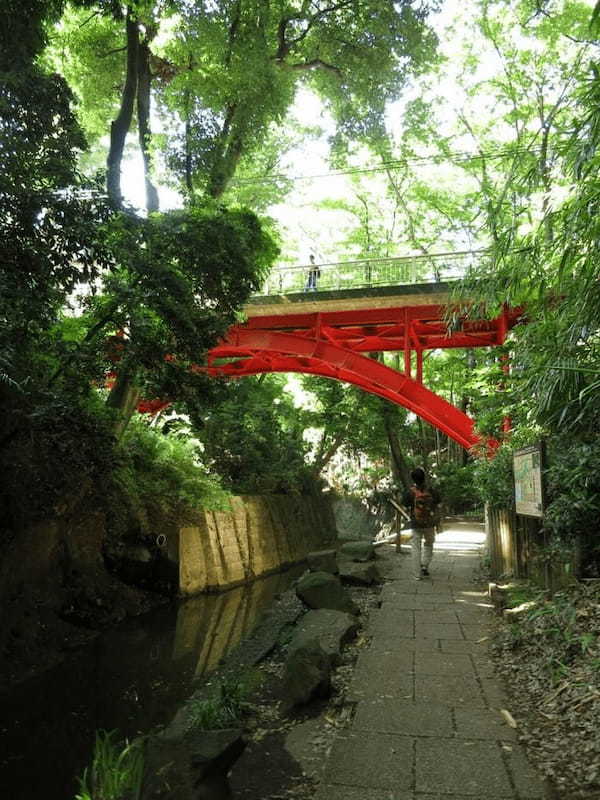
{"points": [[528, 464]]}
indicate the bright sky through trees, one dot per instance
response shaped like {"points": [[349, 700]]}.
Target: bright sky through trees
{"points": [[323, 207]]}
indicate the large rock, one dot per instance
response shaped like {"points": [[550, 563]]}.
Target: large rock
{"points": [[323, 590], [359, 573], [330, 628], [323, 561], [190, 766], [307, 674], [358, 551]]}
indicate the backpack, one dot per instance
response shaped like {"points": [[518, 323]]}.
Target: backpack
{"points": [[423, 507]]}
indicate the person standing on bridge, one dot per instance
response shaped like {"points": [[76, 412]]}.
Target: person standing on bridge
{"points": [[314, 273], [422, 501]]}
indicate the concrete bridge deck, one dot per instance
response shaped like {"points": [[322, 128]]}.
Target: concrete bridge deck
{"points": [[374, 297]]}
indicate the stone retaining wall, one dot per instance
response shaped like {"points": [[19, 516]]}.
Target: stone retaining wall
{"points": [[259, 535]]}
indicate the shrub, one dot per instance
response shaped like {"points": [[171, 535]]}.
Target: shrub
{"points": [[456, 483], [160, 476]]}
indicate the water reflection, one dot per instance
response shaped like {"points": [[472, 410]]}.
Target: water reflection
{"points": [[132, 678]]}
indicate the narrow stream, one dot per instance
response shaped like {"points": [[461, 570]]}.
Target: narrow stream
{"points": [[130, 679]]}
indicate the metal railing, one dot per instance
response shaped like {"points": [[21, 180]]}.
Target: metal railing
{"points": [[370, 272]]}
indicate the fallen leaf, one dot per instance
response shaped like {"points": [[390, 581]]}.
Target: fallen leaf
{"points": [[510, 720]]}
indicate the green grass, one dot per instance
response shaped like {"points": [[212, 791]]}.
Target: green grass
{"points": [[519, 593], [116, 772], [227, 707]]}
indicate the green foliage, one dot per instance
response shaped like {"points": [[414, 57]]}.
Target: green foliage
{"points": [[51, 232], [55, 448], [573, 488], [518, 593], [228, 73], [253, 438], [494, 478], [116, 772], [227, 707], [175, 284], [182, 277], [161, 476], [456, 483], [88, 51]]}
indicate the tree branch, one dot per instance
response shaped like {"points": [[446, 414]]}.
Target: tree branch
{"points": [[316, 63], [284, 45], [89, 19], [111, 52], [324, 458]]}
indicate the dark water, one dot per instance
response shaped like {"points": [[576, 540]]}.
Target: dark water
{"points": [[131, 679]]}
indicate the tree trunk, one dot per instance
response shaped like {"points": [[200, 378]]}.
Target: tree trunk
{"points": [[143, 112], [123, 398], [120, 126], [400, 471], [579, 550], [324, 456], [224, 168]]}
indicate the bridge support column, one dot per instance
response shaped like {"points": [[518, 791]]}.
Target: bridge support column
{"points": [[419, 366], [505, 366], [407, 350]]}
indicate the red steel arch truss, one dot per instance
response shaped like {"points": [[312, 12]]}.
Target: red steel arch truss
{"points": [[331, 344]]}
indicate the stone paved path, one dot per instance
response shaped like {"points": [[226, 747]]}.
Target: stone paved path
{"points": [[427, 724]]}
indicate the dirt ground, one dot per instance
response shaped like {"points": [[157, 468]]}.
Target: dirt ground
{"points": [[548, 654]]}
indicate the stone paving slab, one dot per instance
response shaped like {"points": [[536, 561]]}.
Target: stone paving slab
{"points": [[407, 644], [444, 664], [400, 629], [427, 724], [403, 717], [398, 587], [375, 677], [461, 767], [494, 694], [450, 690], [526, 780], [370, 665], [390, 613], [438, 590], [433, 630], [420, 602], [473, 633], [331, 791], [439, 615], [469, 597], [377, 761], [484, 666], [486, 796], [472, 615], [481, 646], [482, 724], [391, 616]]}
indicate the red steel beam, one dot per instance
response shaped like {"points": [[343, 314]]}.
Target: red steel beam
{"points": [[274, 351], [330, 344], [405, 328]]}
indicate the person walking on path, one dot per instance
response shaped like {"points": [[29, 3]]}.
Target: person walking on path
{"points": [[422, 502], [314, 273]]}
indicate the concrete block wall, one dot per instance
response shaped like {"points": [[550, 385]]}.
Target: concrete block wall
{"points": [[258, 535]]}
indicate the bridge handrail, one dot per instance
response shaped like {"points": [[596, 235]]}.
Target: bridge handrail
{"points": [[369, 272]]}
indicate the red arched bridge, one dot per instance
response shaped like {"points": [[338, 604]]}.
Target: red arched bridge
{"points": [[329, 332]]}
